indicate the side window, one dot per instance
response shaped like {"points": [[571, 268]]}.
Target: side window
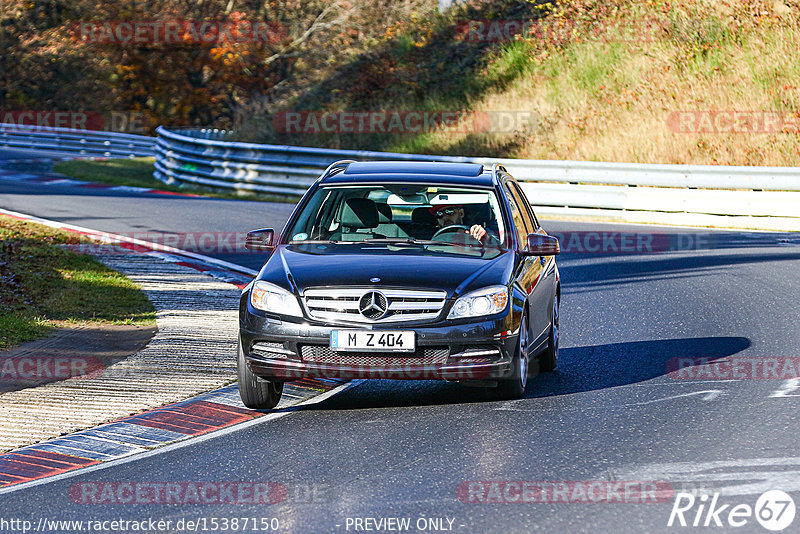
{"points": [[524, 209], [527, 205], [516, 216]]}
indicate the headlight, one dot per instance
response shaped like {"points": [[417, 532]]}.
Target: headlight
{"points": [[271, 298], [486, 301]]}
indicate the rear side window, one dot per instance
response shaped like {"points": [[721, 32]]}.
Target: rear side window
{"points": [[526, 206], [517, 217]]}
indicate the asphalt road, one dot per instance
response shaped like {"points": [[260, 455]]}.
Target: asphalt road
{"points": [[610, 412]]}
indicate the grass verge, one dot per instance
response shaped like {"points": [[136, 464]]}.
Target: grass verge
{"points": [[43, 286], [138, 172]]}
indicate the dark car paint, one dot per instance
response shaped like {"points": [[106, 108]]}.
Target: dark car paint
{"points": [[298, 267], [533, 281], [257, 326]]}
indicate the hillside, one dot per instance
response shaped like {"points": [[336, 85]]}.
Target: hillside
{"points": [[662, 82], [690, 81]]}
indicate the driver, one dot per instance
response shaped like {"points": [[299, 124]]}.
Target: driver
{"points": [[453, 214]]}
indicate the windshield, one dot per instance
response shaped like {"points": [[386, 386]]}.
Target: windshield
{"points": [[432, 216]]}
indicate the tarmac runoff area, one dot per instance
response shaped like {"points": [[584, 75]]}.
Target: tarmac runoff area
{"points": [[194, 351]]}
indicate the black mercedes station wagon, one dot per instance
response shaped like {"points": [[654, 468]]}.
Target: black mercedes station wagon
{"points": [[402, 270]]}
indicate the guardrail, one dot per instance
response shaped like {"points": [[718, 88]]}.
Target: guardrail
{"points": [[78, 142], [753, 197], [760, 197]]}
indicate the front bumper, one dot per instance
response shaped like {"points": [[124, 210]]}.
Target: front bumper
{"points": [[480, 350]]}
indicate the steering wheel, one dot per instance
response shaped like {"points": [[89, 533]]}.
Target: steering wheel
{"points": [[452, 229]]}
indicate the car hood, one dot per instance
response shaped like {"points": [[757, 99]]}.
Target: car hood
{"points": [[298, 267]]}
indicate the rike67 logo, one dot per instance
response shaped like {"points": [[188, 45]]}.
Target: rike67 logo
{"points": [[774, 510]]}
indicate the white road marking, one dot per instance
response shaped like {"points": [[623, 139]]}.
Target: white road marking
{"points": [[129, 188], [727, 477], [65, 181], [793, 384], [510, 406], [710, 394]]}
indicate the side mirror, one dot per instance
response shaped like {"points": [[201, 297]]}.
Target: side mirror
{"points": [[260, 239], [542, 245]]}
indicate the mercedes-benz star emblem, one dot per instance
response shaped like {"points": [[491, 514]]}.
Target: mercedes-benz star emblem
{"points": [[373, 305]]}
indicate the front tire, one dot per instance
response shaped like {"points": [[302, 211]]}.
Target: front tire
{"points": [[256, 392], [514, 386]]}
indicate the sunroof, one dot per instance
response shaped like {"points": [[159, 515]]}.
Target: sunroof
{"points": [[415, 167]]}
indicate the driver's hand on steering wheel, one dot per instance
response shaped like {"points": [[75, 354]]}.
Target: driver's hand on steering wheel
{"points": [[478, 232]]}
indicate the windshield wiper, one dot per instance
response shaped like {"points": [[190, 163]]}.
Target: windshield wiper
{"points": [[405, 240]]}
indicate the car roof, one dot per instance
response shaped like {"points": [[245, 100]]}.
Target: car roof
{"points": [[421, 172]]}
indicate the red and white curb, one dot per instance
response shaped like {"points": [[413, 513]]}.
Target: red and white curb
{"points": [[144, 434], [160, 429]]}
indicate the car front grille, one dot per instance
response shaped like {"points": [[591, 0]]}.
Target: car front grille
{"points": [[427, 356], [348, 304]]}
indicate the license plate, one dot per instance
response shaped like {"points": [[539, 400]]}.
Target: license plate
{"points": [[373, 340]]}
